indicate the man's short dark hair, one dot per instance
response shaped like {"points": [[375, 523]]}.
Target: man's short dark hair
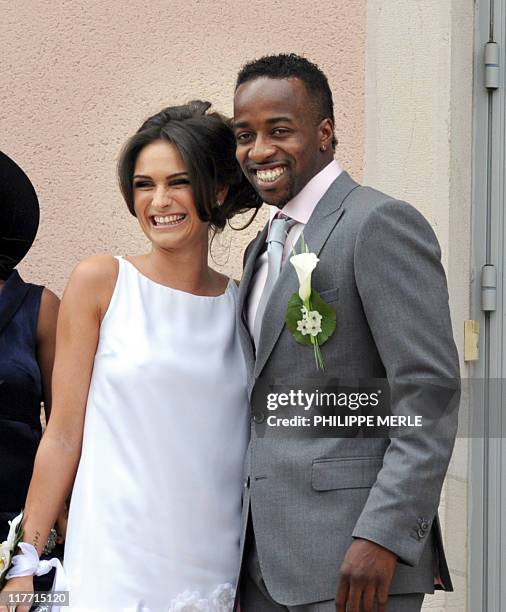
{"points": [[286, 65]]}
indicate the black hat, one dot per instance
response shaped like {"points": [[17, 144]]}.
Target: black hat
{"points": [[19, 215]]}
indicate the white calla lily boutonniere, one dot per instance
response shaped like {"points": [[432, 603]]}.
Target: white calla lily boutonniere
{"points": [[311, 320], [8, 547]]}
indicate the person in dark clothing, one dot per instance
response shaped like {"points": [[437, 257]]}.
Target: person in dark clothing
{"points": [[28, 316]]}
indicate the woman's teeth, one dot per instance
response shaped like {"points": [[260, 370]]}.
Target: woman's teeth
{"points": [[169, 219], [269, 176]]}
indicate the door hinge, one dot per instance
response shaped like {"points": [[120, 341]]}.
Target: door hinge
{"points": [[488, 288], [492, 73]]}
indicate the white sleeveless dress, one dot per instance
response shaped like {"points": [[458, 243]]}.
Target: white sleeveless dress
{"points": [[154, 520]]}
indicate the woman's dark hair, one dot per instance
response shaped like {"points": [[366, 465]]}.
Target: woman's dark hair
{"points": [[206, 144]]}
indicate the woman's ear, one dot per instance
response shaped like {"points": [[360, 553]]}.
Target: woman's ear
{"points": [[221, 195]]}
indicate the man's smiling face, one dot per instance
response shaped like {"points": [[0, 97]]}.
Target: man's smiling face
{"points": [[279, 136]]}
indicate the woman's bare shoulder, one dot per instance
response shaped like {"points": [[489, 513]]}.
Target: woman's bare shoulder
{"points": [[93, 280], [96, 268]]}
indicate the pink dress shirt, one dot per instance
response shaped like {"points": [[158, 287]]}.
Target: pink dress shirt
{"points": [[300, 208]]}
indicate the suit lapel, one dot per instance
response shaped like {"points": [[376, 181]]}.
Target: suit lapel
{"points": [[244, 287], [325, 217]]}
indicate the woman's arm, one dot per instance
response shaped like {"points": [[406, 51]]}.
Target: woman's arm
{"points": [[84, 303], [46, 343]]}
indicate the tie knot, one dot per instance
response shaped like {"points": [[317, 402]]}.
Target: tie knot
{"points": [[279, 229]]}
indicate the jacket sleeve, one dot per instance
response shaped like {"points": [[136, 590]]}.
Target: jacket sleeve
{"points": [[404, 294]]}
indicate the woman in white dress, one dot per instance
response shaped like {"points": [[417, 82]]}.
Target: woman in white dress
{"points": [[150, 410]]}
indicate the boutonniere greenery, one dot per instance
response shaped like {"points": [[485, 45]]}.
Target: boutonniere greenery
{"points": [[311, 320]]}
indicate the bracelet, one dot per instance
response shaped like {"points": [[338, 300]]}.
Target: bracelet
{"points": [[51, 542]]}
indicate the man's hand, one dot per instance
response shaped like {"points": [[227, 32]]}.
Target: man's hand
{"points": [[364, 577]]}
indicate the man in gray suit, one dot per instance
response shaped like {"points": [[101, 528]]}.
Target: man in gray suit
{"points": [[344, 523]]}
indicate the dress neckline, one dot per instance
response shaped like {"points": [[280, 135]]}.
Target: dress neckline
{"points": [[195, 295]]}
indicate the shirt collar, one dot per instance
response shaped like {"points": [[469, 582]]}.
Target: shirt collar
{"points": [[301, 207]]}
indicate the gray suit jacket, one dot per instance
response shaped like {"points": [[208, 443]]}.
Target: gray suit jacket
{"points": [[380, 269]]}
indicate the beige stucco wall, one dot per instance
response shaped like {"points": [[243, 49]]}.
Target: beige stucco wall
{"points": [[77, 78], [419, 58]]}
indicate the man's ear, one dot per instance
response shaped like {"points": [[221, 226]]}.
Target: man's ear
{"points": [[221, 194], [326, 129]]}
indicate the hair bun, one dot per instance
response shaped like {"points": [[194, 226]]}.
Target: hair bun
{"points": [[195, 108], [198, 107]]}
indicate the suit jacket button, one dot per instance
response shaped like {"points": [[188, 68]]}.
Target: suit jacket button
{"points": [[421, 533], [259, 417], [424, 525], [246, 483]]}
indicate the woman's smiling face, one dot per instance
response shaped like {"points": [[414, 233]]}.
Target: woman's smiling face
{"points": [[163, 198]]}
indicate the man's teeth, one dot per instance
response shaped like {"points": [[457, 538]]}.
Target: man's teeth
{"points": [[169, 220], [269, 176]]}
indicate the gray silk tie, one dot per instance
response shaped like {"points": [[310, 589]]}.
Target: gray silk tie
{"points": [[278, 232]]}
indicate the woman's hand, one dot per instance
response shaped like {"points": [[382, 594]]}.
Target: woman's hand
{"points": [[22, 584]]}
